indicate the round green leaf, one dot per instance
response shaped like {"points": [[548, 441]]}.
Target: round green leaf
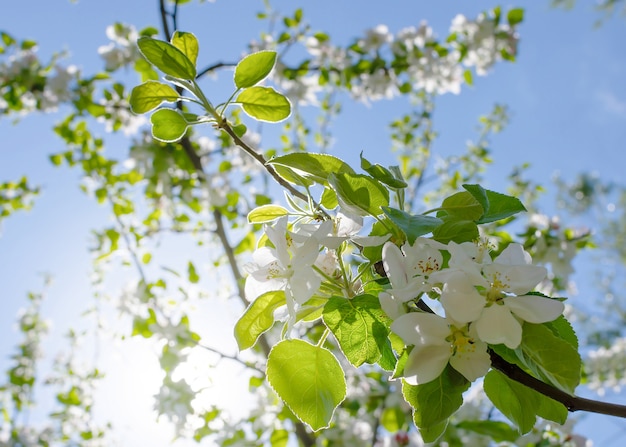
{"points": [[253, 68], [258, 318], [309, 379], [266, 213], [168, 125], [264, 104], [167, 58], [150, 95], [187, 43]]}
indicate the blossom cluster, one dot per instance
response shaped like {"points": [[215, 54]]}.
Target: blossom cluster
{"points": [[122, 50], [485, 301], [27, 84], [381, 64]]}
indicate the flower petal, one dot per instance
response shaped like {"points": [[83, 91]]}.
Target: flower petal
{"points": [[497, 325], [426, 363], [421, 329], [393, 261], [392, 307], [534, 309], [514, 254], [461, 300], [517, 279], [473, 362]]}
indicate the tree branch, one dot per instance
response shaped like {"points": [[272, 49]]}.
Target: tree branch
{"points": [[572, 403], [261, 159]]}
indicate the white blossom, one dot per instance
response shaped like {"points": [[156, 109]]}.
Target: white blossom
{"points": [[438, 341]]}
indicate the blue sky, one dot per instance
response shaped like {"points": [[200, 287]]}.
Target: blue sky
{"points": [[566, 93]]}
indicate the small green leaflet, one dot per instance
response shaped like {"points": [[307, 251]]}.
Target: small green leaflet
{"points": [[309, 379], [253, 68], [359, 325], [150, 95], [359, 194], [264, 104], [187, 44], [167, 58], [315, 167], [381, 174], [461, 206], [266, 213], [412, 226], [515, 16], [434, 402], [168, 125], [258, 318]]}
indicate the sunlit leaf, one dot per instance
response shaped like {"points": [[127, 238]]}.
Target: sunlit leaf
{"points": [[309, 379], [168, 125], [258, 318], [266, 213], [253, 68], [264, 104], [151, 94], [187, 44], [359, 194], [359, 325], [167, 58]]}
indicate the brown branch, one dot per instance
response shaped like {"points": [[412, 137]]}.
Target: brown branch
{"points": [[261, 159], [572, 403], [215, 66]]}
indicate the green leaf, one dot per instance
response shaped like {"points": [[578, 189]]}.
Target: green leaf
{"points": [[549, 357], [552, 410], [264, 104], [315, 167], [329, 199], [434, 402], [253, 68], [279, 438], [381, 174], [501, 206], [266, 213], [359, 194], [168, 125], [359, 325], [467, 76], [167, 58], [150, 95], [393, 419], [515, 16], [412, 226], [563, 329], [461, 206], [497, 430], [434, 432], [191, 273], [258, 318], [187, 44], [456, 230], [478, 193], [309, 379], [516, 401]]}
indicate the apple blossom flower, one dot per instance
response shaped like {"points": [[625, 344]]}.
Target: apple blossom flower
{"points": [[288, 266], [502, 299], [408, 269], [438, 341]]}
